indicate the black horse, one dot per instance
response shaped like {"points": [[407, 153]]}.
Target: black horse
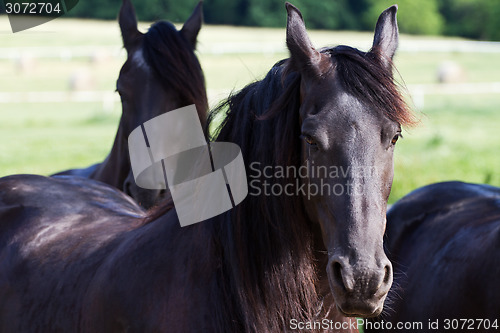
{"points": [[77, 256], [444, 243], [161, 74]]}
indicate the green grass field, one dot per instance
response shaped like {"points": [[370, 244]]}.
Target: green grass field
{"points": [[458, 137]]}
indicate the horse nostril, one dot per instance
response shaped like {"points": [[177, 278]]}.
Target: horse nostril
{"points": [[337, 273], [387, 273], [340, 278]]}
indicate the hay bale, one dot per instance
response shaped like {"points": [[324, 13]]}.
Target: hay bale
{"points": [[450, 72]]}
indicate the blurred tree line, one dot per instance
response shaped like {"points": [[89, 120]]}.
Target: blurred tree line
{"points": [[477, 19]]}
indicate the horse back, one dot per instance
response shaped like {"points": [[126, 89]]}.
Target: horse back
{"points": [[54, 233]]}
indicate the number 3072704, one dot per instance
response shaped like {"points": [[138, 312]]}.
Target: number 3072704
{"points": [[32, 8]]}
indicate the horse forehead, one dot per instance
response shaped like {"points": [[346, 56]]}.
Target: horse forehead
{"points": [[345, 109], [139, 61]]}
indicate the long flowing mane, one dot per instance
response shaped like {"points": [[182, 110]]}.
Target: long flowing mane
{"points": [[266, 255], [174, 62], [266, 241]]}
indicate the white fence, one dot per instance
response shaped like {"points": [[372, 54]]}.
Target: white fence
{"points": [[59, 52], [107, 98], [405, 45], [419, 91]]}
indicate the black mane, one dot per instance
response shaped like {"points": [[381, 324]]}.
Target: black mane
{"points": [[173, 60], [266, 241]]}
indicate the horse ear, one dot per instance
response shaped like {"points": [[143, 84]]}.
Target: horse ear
{"points": [[302, 52], [386, 37], [192, 27], [128, 24]]}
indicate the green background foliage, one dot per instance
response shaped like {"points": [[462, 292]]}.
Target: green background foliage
{"points": [[416, 17], [472, 18]]}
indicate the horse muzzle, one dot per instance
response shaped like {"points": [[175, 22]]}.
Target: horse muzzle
{"points": [[360, 288]]}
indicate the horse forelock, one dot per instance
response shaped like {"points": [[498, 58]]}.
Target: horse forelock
{"points": [[364, 76], [175, 64]]}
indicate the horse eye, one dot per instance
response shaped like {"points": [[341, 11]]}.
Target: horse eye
{"points": [[309, 140], [395, 138]]}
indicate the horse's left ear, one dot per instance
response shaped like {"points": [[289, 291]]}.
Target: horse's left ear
{"points": [[303, 54], [128, 24], [192, 27], [386, 37]]}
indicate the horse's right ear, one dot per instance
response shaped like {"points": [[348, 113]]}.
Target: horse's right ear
{"points": [[386, 37], [192, 26], [128, 24], [302, 52]]}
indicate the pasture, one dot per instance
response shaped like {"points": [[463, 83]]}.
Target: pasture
{"points": [[458, 137]]}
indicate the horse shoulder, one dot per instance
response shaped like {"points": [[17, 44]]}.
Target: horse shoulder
{"points": [[158, 279]]}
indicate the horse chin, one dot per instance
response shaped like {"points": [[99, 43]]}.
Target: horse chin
{"points": [[356, 308], [360, 314]]}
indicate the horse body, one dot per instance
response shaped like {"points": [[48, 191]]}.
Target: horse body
{"points": [[161, 74], [443, 240], [108, 266]]}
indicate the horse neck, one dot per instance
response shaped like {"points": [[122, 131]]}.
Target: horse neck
{"points": [[115, 168]]}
